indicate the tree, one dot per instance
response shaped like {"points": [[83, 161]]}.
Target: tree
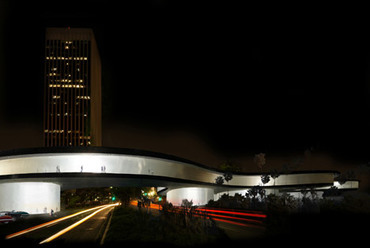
{"points": [[309, 204], [125, 194], [332, 191], [254, 192], [219, 180], [230, 166], [274, 174], [347, 176], [228, 176], [292, 165], [260, 160], [265, 178], [186, 204]]}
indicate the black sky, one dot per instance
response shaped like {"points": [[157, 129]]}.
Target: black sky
{"points": [[244, 78]]}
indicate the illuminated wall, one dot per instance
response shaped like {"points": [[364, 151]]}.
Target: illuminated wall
{"points": [[199, 196], [94, 169], [32, 197]]}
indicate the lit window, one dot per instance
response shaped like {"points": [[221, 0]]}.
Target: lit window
{"points": [[66, 85], [83, 97]]}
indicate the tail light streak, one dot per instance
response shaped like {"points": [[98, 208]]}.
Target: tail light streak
{"points": [[241, 217], [259, 215], [236, 218]]}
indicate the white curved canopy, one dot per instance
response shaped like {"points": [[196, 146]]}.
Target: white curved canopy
{"points": [[82, 167]]}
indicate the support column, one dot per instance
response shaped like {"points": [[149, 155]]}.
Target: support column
{"points": [[199, 196], [31, 197]]}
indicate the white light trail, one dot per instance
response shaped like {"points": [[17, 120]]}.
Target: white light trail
{"points": [[67, 229], [13, 235]]}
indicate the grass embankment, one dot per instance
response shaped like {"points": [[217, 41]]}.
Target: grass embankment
{"points": [[136, 227]]}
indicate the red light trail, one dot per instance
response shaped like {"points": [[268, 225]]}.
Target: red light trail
{"points": [[236, 217], [260, 215]]}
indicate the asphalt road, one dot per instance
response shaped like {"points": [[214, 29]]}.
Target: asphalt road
{"points": [[89, 231], [81, 229]]}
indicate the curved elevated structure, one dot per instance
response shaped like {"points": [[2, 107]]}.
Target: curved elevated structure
{"points": [[41, 172]]}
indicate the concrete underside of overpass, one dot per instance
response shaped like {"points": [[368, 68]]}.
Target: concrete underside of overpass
{"points": [[32, 180]]}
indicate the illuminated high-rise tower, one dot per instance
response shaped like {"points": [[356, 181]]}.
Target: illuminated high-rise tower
{"points": [[72, 105]]}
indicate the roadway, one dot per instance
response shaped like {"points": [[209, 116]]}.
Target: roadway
{"points": [[88, 226], [85, 227], [88, 232]]}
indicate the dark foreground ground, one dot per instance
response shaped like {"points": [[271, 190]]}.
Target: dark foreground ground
{"points": [[294, 230], [317, 229], [130, 228]]}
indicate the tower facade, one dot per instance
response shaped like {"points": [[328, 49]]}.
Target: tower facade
{"points": [[72, 104]]}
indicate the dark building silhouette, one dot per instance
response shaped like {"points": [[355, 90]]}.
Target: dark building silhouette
{"points": [[72, 105]]}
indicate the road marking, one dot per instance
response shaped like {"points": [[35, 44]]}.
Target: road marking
{"points": [[106, 229], [74, 225]]}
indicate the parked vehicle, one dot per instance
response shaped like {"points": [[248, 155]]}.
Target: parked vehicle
{"points": [[8, 216], [18, 214], [6, 219]]}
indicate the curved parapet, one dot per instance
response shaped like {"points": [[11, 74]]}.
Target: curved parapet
{"points": [[63, 165], [103, 167]]}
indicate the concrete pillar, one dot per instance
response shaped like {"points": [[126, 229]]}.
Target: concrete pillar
{"points": [[199, 196], [31, 197]]}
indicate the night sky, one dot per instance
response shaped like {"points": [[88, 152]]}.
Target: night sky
{"points": [[241, 79]]}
